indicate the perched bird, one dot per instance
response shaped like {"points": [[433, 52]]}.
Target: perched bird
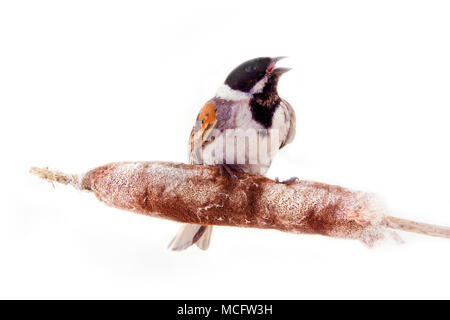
{"points": [[240, 129]]}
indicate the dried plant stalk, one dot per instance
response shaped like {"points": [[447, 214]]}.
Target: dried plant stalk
{"points": [[200, 194]]}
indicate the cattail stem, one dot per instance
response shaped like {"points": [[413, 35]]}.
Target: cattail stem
{"points": [[202, 195], [417, 227], [56, 176]]}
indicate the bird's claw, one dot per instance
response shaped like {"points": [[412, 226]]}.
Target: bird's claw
{"points": [[224, 167], [288, 181]]}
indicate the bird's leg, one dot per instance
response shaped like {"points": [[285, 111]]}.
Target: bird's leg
{"points": [[224, 167], [288, 181]]}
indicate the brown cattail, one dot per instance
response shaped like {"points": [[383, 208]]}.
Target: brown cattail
{"points": [[202, 195]]}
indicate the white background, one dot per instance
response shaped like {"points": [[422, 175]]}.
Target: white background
{"points": [[83, 83]]}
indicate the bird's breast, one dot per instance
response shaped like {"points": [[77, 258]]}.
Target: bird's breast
{"points": [[242, 141]]}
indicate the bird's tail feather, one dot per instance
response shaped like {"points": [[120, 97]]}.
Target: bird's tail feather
{"points": [[190, 234]]}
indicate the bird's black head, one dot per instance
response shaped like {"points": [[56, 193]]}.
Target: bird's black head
{"points": [[245, 76]]}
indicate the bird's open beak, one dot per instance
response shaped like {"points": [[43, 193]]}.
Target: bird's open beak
{"points": [[279, 71]]}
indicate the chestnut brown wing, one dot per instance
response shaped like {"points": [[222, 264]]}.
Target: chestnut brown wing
{"points": [[201, 132]]}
